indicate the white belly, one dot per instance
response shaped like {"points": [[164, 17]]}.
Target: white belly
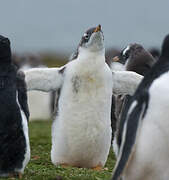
{"points": [[83, 141], [151, 157], [81, 134]]}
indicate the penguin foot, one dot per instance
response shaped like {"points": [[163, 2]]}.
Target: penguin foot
{"points": [[20, 175], [14, 175], [98, 168], [65, 165]]}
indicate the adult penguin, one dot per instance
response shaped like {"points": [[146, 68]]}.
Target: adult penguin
{"points": [[81, 130], [144, 151], [14, 139]]}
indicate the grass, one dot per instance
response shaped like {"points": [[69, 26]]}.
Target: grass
{"points": [[40, 166], [52, 60]]}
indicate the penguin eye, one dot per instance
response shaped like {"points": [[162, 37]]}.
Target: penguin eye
{"points": [[86, 36]]}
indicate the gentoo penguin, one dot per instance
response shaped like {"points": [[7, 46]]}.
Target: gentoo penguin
{"points": [[14, 139], [144, 149], [81, 130], [137, 59]]}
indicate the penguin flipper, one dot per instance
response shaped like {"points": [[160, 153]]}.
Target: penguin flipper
{"points": [[125, 82], [44, 79], [135, 114], [22, 92], [122, 118]]}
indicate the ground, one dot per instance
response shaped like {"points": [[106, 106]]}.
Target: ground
{"points": [[40, 166]]}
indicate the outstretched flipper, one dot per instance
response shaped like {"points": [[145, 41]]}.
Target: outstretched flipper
{"points": [[134, 114], [44, 79], [125, 82]]}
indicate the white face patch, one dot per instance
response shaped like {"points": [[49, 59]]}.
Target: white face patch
{"points": [[125, 50]]}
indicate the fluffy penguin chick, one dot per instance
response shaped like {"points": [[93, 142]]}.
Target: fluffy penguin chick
{"points": [[136, 59], [81, 130], [14, 139], [144, 149]]}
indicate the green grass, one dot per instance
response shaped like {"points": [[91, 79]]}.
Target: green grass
{"points": [[40, 166], [54, 60]]}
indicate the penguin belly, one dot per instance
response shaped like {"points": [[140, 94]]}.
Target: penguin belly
{"points": [[81, 131], [151, 156]]}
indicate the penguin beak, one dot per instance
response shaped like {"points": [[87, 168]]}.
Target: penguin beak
{"points": [[116, 59], [98, 28]]}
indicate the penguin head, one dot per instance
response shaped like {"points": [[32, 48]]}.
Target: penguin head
{"points": [[136, 59], [93, 39], [123, 56], [132, 52], [165, 47], [128, 53], [5, 50]]}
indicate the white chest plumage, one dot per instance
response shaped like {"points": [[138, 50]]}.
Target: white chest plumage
{"points": [[83, 119], [81, 131], [152, 141]]}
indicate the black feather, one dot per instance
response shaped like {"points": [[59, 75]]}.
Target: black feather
{"points": [[12, 139]]}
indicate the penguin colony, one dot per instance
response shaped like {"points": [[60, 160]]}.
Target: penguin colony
{"points": [[81, 130]]}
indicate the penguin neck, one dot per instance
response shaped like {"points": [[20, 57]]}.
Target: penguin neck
{"points": [[91, 57]]}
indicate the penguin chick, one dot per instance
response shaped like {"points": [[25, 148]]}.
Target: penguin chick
{"points": [[81, 130], [137, 59]]}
